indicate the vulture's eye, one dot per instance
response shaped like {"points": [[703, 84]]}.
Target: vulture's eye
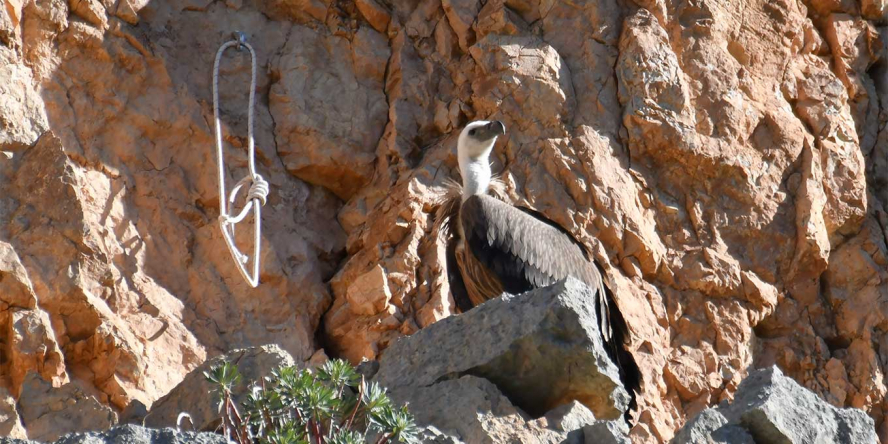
{"points": [[471, 132]]}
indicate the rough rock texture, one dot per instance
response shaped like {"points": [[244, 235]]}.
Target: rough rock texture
{"points": [[542, 349], [770, 407], [130, 434], [50, 412], [473, 410], [726, 162], [196, 396], [606, 432], [484, 375], [10, 421]]}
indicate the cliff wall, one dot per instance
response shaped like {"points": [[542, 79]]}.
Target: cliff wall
{"points": [[725, 160]]}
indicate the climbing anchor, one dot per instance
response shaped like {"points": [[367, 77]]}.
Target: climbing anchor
{"points": [[257, 193]]}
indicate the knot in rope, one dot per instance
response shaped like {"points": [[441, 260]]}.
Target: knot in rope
{"points": [[258, 189]]}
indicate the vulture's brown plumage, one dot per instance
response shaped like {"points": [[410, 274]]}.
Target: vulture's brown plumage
{"points": [[495, 247]]}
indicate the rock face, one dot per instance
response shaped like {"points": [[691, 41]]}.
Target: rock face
{"points": [[10, 422], [483, 376], [770, 407], [51, 412], [130, 434], [726, 162]]}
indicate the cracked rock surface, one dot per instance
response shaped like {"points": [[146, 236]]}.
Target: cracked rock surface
{"points": [[770, 407], [725, 161], [524, 368], [542, 348]]}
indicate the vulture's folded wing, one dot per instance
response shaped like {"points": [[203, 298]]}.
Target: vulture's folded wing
{"points": [[526, 252]]}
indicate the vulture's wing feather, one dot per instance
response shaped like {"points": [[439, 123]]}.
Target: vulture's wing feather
{"points": [[510, 270], [539, 216], [524, 251]]}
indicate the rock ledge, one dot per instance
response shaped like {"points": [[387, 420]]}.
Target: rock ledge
{"points": [[524, 368]]}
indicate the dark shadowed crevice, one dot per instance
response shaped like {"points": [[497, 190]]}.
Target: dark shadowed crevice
{"points": [[877, 160]]}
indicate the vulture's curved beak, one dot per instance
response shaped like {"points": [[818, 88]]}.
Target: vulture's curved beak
{"points": [[497, 128]]}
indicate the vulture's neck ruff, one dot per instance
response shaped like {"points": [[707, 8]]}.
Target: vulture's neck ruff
{"points": [[473, 150]]}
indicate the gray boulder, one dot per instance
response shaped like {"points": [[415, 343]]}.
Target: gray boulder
{"points": [[523, 368], [607, 432], [131, 434], [196, 396], [770, 407]]}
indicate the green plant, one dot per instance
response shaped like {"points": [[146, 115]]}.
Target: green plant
{"points": [[225, 377], [298, 406]]}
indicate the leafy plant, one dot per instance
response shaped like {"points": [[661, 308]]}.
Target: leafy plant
{"points": [[298, 406], [226, 377]]}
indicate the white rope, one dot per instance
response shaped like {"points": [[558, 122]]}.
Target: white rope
{"points": [[258, 190]]}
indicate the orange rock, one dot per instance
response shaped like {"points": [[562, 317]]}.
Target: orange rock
{"points": [[369, 294], [726, 162]]}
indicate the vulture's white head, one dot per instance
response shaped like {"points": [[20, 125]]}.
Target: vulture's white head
{"points": [[473, 150]]}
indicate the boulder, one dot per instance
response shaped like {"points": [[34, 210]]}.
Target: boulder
{"points": [[773, 408], [516, 368], [132, 434], [606, 432], [45, 410], [197, 397]]}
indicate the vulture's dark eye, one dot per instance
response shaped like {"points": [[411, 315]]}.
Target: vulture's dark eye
{"points": [[471, 132]]}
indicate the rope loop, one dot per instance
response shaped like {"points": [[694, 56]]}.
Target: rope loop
{"points": [[257, 194]]}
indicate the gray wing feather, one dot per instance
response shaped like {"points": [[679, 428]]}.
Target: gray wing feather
{"points": [[534, 242], [519, 247]]}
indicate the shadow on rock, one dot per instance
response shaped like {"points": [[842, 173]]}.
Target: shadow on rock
{"points": [[525, 368]]}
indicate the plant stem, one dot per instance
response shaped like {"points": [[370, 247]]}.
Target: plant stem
{"points": [[226, 416], [237, 422], [266, 414], [317, 430], [348, 424]]}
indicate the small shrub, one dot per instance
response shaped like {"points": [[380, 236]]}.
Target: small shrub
{"points": [[298, 406]]}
